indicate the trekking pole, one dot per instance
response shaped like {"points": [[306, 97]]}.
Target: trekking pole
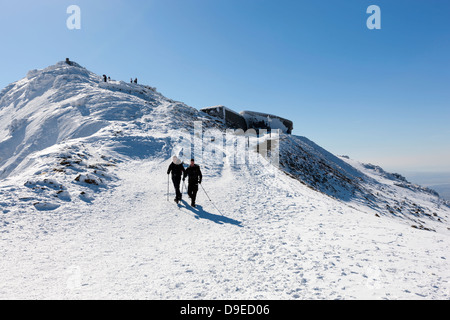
{"points": [[211, 200], [205, 192], [167, 187]]}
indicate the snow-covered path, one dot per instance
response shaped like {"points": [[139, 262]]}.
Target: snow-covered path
{"points": [[277, 239]]}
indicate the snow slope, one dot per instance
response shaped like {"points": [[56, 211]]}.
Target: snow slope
{"points": [[84, 210]]}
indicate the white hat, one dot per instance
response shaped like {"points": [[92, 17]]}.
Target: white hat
{"points": [[176, 160]]}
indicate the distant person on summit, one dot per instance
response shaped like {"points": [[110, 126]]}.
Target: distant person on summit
{"points": [[177, 169], [195, 178]]}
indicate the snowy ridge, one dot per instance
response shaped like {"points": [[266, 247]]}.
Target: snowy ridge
{"points": [[353, 182], [83, 207], [61, 123], [65, 124]]}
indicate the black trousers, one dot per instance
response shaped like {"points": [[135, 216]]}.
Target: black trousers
{"points": [[192, 191], [176, 184]]}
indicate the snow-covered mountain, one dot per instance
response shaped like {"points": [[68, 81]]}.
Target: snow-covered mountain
{"points": [[83, 190], [63, 129]]}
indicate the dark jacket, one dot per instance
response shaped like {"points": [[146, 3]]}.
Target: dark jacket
{"points": [[177, 170], [194, 173]]}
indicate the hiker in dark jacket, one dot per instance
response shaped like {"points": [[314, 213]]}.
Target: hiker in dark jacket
{"points": [[177, 169], [195, 178]]}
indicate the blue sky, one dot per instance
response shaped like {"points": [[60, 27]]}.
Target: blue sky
{"points": [[379, 96]]}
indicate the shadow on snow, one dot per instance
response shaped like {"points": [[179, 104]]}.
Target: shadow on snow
{"points": [[200, 213]]}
